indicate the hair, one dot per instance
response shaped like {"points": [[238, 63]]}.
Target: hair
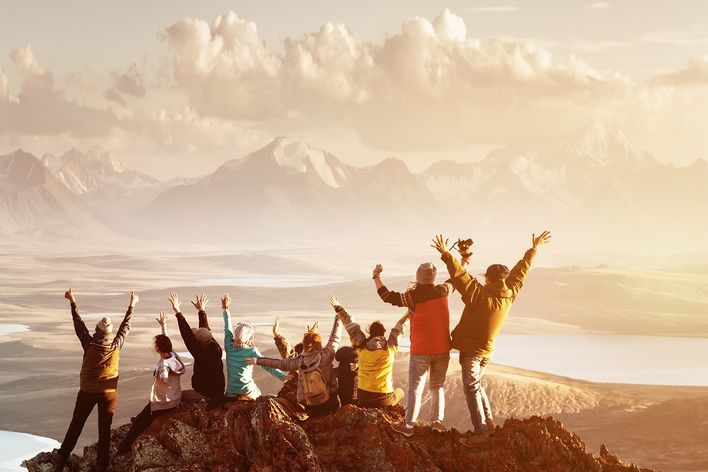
{"points": [[311, 342], [298, 348], [376, 329], [162, 344]]}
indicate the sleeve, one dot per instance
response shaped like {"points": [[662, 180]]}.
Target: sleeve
{"points": [[203, 320], [124, 329], [396, 331], [163, 329], [283, 346], [190, 340], [292, 363], [460, 279], [163, 372], [355, 333], [517, 275], [272, 371], [228, 331], [80, 328], [394, 298], [335, 336]]}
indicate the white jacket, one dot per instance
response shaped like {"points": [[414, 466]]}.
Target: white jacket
{"points": [[166, 389]]}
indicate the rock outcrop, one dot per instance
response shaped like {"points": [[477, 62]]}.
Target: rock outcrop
{"points": [[261, 436]]}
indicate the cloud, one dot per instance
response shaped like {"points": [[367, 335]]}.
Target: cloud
{"points": [[599, 5], [130, 82], [430, 85], [40, 108], [675, 38], [694, 73], [495, 9]]}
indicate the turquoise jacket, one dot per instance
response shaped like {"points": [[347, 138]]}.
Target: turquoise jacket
{"points": [[239, 373]]}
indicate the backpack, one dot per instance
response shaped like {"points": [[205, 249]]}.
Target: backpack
{"points": [[314, 385]]}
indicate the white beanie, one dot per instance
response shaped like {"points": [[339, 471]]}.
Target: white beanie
{"points": [[243, 335], [104, 326], [426, 273]]}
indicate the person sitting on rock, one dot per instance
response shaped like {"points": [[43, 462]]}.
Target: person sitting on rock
{"points": [[430, 342], [486, 309], [317, 384], [347, 374], [166, 390], [98, 381], [376, 356], [208, 375], [238, 343]]}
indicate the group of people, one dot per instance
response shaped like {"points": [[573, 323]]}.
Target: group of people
{"points": [[364, 375]]}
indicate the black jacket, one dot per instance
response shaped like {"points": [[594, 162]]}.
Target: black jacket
{"points": [[208, 377]]}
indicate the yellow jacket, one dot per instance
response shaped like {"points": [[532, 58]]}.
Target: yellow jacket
{"points": [[376, 355]]}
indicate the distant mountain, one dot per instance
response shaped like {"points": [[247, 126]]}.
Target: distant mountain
{"points": [[290, 189], [33, 201]]}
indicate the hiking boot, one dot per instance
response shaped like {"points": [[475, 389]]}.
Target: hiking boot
{"points": [[477, 439], [438, 426], [403, 428]]}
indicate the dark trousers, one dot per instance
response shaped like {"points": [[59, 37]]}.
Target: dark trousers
{"points": [[325, 409], [140, 424], [85, 402]]}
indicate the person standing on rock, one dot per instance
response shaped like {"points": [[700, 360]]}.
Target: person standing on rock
{"points": [[166, 391], [98, 381], [317, 384], [238, 343], [486, 309], [208, 376], [430, 342], [376, 356]]}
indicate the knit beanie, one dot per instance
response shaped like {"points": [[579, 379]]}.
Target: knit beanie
{"points": [[497, 272], [426, 273], [203, 335], [243, 335], [104, 326]]}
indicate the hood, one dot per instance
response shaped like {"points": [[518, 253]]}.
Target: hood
{"points": [[310, 361], [499, 289], [174, 363], [103, 339], [377, 343]]}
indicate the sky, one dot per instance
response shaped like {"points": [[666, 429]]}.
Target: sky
{"points": [[177, 87]]}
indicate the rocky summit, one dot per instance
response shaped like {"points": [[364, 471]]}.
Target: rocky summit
{"points": [[261, 436]]}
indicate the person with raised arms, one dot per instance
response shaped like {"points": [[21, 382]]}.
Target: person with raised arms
{"points": [[98, 381], [239, 346], [486, 309]]}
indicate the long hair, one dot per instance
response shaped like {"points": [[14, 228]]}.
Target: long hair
{"points": [[376, 329], [311, 342], [162, 344]]}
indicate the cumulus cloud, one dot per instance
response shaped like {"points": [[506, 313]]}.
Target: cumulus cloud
{"points": [[430, 85], [41, 108], [130, 82], [694, 73]]}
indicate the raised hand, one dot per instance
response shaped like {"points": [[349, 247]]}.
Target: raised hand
{"points": [[134, 299], [226, 301], [440, 243], [69, 295], [200, 302], [334, 301], [174, 301], [377, 270], [162, 319], [543, 238], [276, 323], [314, 327]]}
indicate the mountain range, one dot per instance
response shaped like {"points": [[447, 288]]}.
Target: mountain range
{"points": [[595, 185]]}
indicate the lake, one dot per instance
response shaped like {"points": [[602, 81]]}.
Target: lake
{"points": [[654, 360], [16, 447]]}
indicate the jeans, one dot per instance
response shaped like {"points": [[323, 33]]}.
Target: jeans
{"points": [[85, 402], [418, 369], [140, 423], [473, 368]]}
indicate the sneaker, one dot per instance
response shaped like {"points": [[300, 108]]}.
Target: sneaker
{"points": [[438, 426], [403, 428], [477, 439]]}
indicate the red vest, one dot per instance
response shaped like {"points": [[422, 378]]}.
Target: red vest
{"points": [[430, 327]]}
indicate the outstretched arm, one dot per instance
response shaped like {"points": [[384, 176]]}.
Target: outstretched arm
{"points": [[335, 336], [357, 336], [394, 298], [162, 321], [459, 277], [228, 327], [517, 275], [190, 340], [200, 304], [124, 328], [281, 343], [271, 370], [397, 330], [80, 328], [290, 364]]}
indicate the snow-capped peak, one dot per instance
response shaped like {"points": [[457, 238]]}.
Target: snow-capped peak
{"points": [[603, 144]]}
